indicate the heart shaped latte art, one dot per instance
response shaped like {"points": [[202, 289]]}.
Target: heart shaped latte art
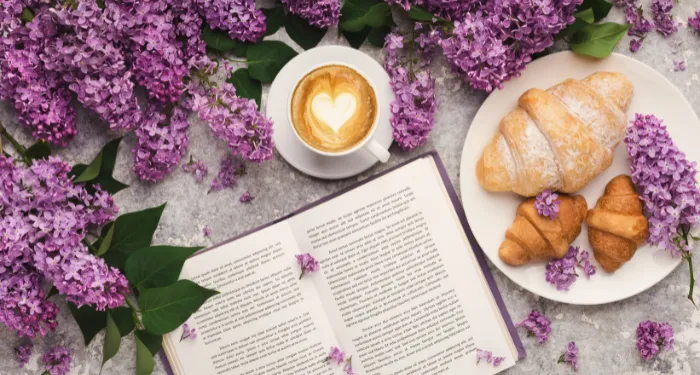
{"points": [[334, 112]]}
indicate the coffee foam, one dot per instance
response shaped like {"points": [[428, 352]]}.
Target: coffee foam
{"points": [[333, 108]]}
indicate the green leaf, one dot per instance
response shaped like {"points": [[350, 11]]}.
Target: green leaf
{"points": [[302, 33], [583, 18], [217, 39], [356, 39], [104, 165], [39, 150], [124, 319], [90, 321], [132, 232], [377, 35], [157, 266], [267, 58], [153, 342], [144, 359], [165, 309], [240, 49], [27, 15], [245, 86], [600, 8], [420, 14], [598, 40], [112, 340], [106, 240], [274, 19], [357, 20]]}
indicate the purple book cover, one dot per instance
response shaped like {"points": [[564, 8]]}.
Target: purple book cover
{"points": [[462, 218]]}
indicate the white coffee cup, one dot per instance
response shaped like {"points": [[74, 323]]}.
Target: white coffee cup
{"points": [[368, 143]]}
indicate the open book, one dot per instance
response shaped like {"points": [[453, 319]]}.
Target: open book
{"points": [[402, 287]]}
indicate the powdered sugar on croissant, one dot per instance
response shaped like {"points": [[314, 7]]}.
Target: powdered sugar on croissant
{"points": [[558, 139]]}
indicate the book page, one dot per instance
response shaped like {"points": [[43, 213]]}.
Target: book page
{"points": [[265, 321], [399, 281]]}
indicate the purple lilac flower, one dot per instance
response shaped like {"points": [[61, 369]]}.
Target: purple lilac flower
{"points": [[413, 109], [585, 263], [497, 361], [207, 232], [23, 352], [661, 9], [240, 18], [188, 333], [44, 218], [694, 21], [562, 272], [307, 263], [483, 355], [547, 204], [347, 368], [237, 121], [226, 178], [537, 325], [678, 65], [666, 182], [197, 168], [570, 356], [492, 43], [448, 9], [57, 361], [335, 354], [161, 143], [320, 13], [652, 336], [246, 197], [635, 44]]}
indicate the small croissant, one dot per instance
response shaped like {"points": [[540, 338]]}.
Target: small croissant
{"points": [[616, 225], [533, 237]]}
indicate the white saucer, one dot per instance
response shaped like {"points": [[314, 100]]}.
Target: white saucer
{"points": [[490, 214], [287, 142]]}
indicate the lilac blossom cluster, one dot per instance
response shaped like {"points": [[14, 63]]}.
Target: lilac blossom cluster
{"points": [[448, 9], [652, 337], [319, 13], [694, 21], [547, 204], [161, 143], [570, 356], [337, 355], [226, 178], [494, 40], [188, 333], [57, 361], [413, 109], [44, 219], [666, 182], [197, 168], [246, 197], [307, 263], [562, 272], [23, 352], [237, 121], [640, 25], [100, 54], [537, 325], [663, 21]]}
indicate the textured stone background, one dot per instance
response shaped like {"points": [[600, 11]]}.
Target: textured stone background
{"points": [[605, 334]]}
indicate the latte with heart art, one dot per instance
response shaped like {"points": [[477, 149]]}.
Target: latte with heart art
{"points": [[333, 108]]}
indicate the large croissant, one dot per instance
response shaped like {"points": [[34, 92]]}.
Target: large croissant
{"points": [[532, 237], [617, 226], [558, 139]]}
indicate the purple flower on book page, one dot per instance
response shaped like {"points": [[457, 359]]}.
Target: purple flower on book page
{"points": [[570, 357], [188, 333], [336, 354], [497, 361], [347, 369], [307, 263], [483, 354], [537, 325]]}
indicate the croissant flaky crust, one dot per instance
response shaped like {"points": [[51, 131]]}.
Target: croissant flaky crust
{"points": [[533, 237], [558, 139], [617, 225]]}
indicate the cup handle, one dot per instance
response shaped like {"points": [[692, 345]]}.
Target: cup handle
{"points": [[377, 150]]}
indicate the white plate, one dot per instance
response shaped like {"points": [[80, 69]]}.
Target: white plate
{"points": [[287, 142], [490, 214]]}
